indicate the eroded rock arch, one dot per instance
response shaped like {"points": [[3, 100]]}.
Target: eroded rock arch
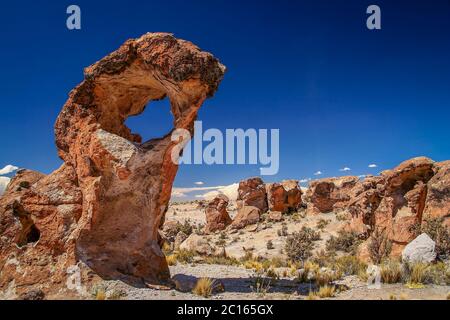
{"points": [[119, 186]]}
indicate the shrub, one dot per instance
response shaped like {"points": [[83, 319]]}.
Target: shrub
{"points": [[324, 258], [440, 235], [379, 246], [185, 256], [299, 245], [350, 265], [186, 227], [439, 273], [322, 223], [347, 242], [225, 261], [171, 260], [416, 273], [270, 245], [204, 287], [391, 272], [260, 285], [327, 292], [283, 232], [99, 292]]}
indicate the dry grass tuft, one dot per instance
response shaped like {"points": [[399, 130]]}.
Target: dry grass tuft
{"points": [[204, 287], [327, 292], [391, 272], [171, 260]]}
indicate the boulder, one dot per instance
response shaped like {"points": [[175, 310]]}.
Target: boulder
{"points": [[217, 217], [294, 195], [104, 206], [284, 197], [246, 215], [329, 194], [198, 244], [277, 197], [421, 249], [275, 216], [252, 192], [179, 239]]}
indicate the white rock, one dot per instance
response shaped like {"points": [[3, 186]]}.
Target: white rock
{"points": [[197, 244], [421, 249]]}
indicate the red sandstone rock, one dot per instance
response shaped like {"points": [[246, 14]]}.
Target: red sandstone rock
{"points": [[330, 194], [438, 198], [217, 217], [246, 215], [252, 192], [284, 197], [104, 206]]}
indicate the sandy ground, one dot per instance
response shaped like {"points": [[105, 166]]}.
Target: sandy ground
{"points": [[239, 282], [238, 285]]}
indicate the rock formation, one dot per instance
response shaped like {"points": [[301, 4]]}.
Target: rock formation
{"points": [[217, 217], [252, 192], [246, 215], [104, 206], [398, 201], [329, 194], [437, 204], [284, 197]]}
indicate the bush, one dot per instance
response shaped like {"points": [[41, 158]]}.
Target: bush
{"points": [[350, 265], [186, 227], [171, 260], [379, 246], [204, 287], [322, 223], [440, 235], [391, 272], [416, 273], [270, 245], [347, 242], [283, 232], [185, 256], [326, 291], [300, 244]]}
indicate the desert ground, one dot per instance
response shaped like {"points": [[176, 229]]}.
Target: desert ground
{"points": [[241, 281]]}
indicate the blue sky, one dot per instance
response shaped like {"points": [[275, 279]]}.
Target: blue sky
{"points": [[341, 95]]}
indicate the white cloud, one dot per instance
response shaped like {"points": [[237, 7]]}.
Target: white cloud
{"points": [[345, 169], [362, 176], [373, 166], [199, 183], [4, 181], [8, 169], [318, 173], [304, 180]]}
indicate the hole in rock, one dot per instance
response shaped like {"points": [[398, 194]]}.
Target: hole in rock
{"points": [[154, 122], [30, 233]]}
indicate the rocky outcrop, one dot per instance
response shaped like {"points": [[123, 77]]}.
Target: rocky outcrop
{"points": [[437, 204], [217, 217], [103, 207], [252, 192], [246, 215], [395, 201], [329, 194], [284, 197]]}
